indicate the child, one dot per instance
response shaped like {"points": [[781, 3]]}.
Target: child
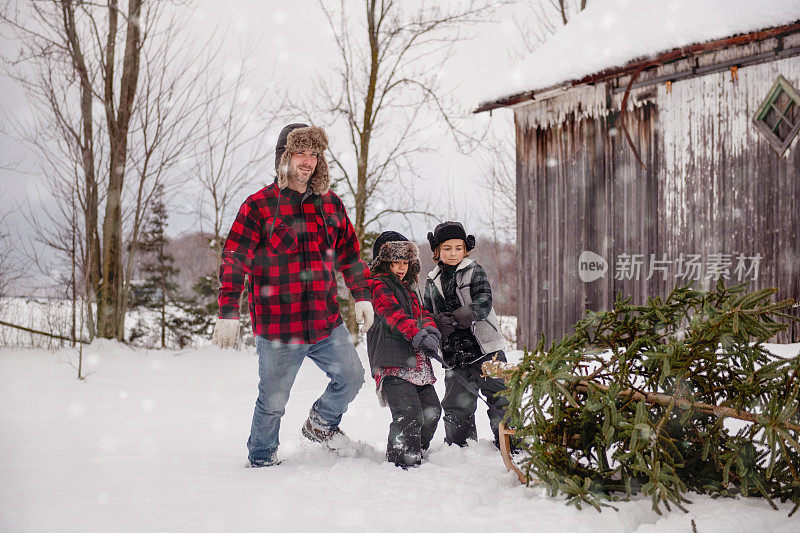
{"points": [[458, 294], [397, 344]]}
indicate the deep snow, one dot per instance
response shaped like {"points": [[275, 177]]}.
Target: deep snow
{"points": [[154, 441]]}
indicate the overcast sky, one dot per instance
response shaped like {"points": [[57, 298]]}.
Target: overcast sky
{"points": [[294, 46]]}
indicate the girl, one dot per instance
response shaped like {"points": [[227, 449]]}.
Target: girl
{"points": [[458, 294], [397, 344]]}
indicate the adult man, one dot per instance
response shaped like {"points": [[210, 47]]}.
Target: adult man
{"points": [[289, 238]]}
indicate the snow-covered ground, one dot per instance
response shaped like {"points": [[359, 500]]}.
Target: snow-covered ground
{"points": [[155, 441]]}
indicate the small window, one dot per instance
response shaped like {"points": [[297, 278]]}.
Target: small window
{"points": [[778, 118]]}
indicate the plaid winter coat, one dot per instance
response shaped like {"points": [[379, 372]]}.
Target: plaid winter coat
{"points": [[399, 316], [471, 287], [289, 245]]}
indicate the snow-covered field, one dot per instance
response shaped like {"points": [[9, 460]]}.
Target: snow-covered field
{"points": [[155, 441], [55, 317]]}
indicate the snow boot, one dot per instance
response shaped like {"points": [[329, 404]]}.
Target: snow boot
{"points": [[315, 433], [334, 439], [262, 463]]}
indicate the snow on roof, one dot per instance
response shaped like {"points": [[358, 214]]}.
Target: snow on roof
{"points": [[613, 33]]}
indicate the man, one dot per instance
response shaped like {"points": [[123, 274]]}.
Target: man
{"points": [[289, 238]]}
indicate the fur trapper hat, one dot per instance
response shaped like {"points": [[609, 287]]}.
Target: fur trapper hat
{"points": [[450, 230], [296, 137], [392, 246]]}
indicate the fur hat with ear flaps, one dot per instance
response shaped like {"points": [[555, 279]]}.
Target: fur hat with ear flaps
{"points": [[296, 137], [392, 246], [450, 230]]}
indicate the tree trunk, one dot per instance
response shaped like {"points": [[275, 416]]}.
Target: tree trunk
{"points": [[161, 263], [91, 262], [73, 278], [360, 197], [110, 310]]}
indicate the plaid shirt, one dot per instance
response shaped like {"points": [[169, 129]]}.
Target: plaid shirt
{"points": [[290, 244]]}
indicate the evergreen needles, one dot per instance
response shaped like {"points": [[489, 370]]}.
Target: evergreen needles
{"points": [[675, 395]]}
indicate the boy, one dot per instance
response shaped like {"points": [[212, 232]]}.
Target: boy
{"points": [[458, 294]]}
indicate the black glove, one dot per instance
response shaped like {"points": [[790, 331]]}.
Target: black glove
{"points": [[424, 340], [446, 323], [464, 317]]}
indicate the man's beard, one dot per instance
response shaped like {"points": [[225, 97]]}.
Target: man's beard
{"points": [[294, 176]]}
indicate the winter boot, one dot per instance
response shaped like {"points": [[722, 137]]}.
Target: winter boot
{"points": [[315, 433], [335, 440], [261, 463]]}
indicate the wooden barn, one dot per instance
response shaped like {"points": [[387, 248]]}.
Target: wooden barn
{"points": [[649, 156]]}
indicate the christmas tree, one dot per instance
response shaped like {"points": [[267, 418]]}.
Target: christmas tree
{"points": [[672, 396]]}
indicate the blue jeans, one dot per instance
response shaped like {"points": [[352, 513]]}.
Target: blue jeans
{"points": [[278, 365]]}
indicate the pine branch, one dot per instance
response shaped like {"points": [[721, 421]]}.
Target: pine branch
{"points": [[505, 371]]}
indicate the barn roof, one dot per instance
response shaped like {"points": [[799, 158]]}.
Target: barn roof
{"points": [[610, 34]]}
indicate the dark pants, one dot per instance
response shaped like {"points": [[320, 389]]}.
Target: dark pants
{"points": [[415, 415], [459, 404]]}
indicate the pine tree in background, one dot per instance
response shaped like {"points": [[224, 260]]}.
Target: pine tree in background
{"points": [[676, 395], [159, 287], [200, 310]]}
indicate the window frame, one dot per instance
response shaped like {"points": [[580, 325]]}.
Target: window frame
{"points": [[779, 145]]}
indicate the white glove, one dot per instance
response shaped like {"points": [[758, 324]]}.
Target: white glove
{"points": [[365, 315], [226, 333]]}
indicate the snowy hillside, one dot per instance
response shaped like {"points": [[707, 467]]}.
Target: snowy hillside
{"points": [[155, 441]]}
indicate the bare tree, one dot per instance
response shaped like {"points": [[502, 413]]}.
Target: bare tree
{"points": [[386, 94], [117, 94], [10, 271], [173, 97], [496, 160], [55, 251], [53, 71], [232, 149], [118, 101], [386, 86], [80, 57]]}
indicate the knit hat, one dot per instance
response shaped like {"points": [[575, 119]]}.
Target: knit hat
{"points": [[296, 137], [450, 230], [392, 246]]}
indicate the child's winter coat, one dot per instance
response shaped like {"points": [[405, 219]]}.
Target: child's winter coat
{"points": [[398, 318], [472, 289]]}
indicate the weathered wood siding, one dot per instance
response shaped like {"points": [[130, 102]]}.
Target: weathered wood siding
{"points": [[712, 186]]}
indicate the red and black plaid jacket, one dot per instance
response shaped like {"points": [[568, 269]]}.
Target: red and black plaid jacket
{"points": [[388, 309], [290, 246]]}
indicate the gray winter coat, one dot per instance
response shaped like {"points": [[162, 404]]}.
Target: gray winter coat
{"points": [[486, 327]]}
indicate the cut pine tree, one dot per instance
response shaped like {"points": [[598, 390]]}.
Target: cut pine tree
{"points": [[636, 400]]}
